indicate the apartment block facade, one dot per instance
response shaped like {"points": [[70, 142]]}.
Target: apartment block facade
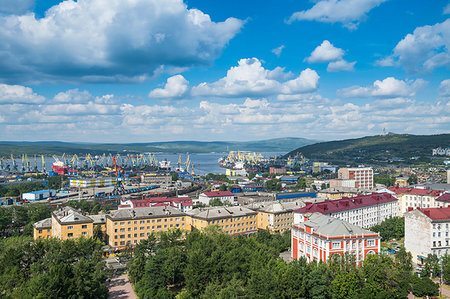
{"points": [[364, 210], [318, 237], [363, 176], [231, 220], [417, 198], [427, 231], [130, 226]]}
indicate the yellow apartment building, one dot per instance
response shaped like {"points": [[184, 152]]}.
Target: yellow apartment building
{"points": [[232, 220], [276, 216], [68, 223], [130, 226], [42, 229]]}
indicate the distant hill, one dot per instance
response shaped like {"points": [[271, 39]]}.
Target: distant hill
{"points": [[381, 149], [55, 147]]}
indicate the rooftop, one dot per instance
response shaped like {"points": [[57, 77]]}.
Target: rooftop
{"points": [[68, 215], [145, 213], [220, 212], [333, 227], [46, 223], [434, 213], [41, 191], [218, 193], [415, 191], [346, 203], [444, 197], [276, 207]]}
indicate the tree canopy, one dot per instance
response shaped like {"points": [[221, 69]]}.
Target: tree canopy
{"points": [[52, 268]]}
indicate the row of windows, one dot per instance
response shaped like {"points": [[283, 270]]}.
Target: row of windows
{"points": [[84, 226], [122, 223], [439, 244], [70, 235], [148, 227]]}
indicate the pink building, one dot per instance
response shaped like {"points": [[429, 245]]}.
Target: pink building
{"points": [[182, 203], [320, 236], [363, 176]]}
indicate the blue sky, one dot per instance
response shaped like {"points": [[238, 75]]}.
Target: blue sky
{"points": [[147, 70]]}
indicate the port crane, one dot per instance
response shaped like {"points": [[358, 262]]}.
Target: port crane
{"points": [[118, 187]]}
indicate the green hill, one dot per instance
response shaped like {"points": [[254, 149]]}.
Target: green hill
{"points": [[53, 147], [381, 149]]}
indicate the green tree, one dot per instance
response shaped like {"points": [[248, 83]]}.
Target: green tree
{"points": [[446, 268], [424, 286], [412, 179], [223, 187]]}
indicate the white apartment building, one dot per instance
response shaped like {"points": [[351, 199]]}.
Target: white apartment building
{"points": [[418, 198], [362, 176], [427, 231], [364, 210]]}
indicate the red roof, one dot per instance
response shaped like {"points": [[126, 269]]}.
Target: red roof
{"points": [[218, 193], [444, 197], [436, 213], [415, 191], [346, 203]]}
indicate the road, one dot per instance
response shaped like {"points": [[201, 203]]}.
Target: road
{"points": [[120, 288]]}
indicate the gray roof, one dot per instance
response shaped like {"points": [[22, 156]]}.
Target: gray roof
{"points": [[220, 212], [68, 215], [333, 227], [340, 189], [98, 219], [276, 206], [46, 223], [144, 213]]}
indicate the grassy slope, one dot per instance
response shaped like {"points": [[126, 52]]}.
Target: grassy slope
{"points": [[374, 148]]}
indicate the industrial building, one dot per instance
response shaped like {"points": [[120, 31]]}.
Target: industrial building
{"points": [[92, 182], [39, 195]]}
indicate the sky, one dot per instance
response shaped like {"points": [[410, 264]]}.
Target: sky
{"points": [[147, 70]]}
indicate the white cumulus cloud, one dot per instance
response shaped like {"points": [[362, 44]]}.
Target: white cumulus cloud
{"points": [[348, 12], [176, 87], [341, 65], [109, 41], [424, 50], [18, 94], [389, 87], [326, 52], [250, 78]]}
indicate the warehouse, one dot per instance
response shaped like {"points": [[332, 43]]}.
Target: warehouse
{"points": [[39, 195]]}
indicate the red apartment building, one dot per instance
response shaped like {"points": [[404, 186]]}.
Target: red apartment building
{"points": [[319, 237]]}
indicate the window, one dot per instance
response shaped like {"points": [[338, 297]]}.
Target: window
{"points": [[70, 235], [122, 236], [370, 243], [84, 226], [70, 227], [336, 245], [40, 231], [84, 233]]}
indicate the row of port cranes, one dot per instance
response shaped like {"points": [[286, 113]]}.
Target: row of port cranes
{"points": [[41, 163]]}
